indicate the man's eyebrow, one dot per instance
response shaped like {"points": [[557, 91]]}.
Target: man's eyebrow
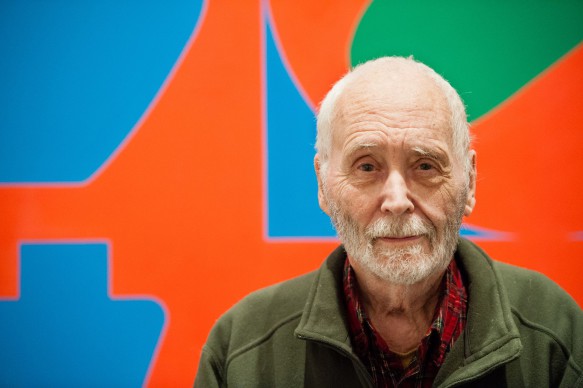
{"points": [[356, 147], [437, 155]]}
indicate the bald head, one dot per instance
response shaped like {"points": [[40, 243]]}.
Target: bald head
{"points": [[392, 82]]}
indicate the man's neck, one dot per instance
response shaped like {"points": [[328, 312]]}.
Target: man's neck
{"points": [[401, 314]]}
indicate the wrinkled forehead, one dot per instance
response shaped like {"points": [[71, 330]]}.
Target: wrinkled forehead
{"points": [[398, 98]]}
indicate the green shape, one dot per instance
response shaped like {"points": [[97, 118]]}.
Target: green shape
{"points": [[487, 50]]}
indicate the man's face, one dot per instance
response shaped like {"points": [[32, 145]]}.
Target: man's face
{"points": [[393, 186]]}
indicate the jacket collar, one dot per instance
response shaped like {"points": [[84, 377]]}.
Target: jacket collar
{"points": [[490, 338], [324, 316]]}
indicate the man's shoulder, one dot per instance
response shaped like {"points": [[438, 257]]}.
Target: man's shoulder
{"points": [[547, 317], [527, 287], [536, 299], [259, 316], [545, 314], [527, 305], [274, 302]]}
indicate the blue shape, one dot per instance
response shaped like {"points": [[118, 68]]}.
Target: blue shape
{"points": [[65, 331], [77, 76], [468, 231], [293, 209], [478, 233]]}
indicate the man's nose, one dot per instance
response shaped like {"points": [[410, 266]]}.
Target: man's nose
{"points": [[396, 195]]}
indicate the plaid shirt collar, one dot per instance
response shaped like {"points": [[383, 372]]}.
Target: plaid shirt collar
{"points": [[388, 369]]}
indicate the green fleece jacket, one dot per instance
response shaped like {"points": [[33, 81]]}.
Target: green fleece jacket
{"points": [[522, 331]]}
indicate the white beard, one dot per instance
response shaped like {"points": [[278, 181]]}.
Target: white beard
{"points": [[407, 265]]}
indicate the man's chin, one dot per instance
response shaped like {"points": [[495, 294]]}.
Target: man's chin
{"points": [[402, 266]]}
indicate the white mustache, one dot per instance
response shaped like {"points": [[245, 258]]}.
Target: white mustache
{"points": [[393, 228]]}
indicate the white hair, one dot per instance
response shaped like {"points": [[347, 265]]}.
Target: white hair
{"points": [[327, 113]]}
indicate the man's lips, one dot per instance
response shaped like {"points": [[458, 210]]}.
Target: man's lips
{"points": [[399, 239]]}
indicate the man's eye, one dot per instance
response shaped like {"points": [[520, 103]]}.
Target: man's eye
{"points": [[425, 166], [366, 167]]}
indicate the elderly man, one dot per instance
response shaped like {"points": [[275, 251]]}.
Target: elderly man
{"points": [[404, 301]]}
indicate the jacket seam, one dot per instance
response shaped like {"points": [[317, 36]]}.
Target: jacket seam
{"points": [[214, 359], [550, 334], [236, 353]]}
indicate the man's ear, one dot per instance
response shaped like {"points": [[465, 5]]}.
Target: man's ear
{"points": [[321, 197], [471, 200]]}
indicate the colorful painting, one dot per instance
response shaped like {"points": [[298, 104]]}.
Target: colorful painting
{"points": [[156, 161]]}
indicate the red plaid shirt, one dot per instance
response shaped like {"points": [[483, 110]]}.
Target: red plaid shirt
{"points": [[388, 369]]}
